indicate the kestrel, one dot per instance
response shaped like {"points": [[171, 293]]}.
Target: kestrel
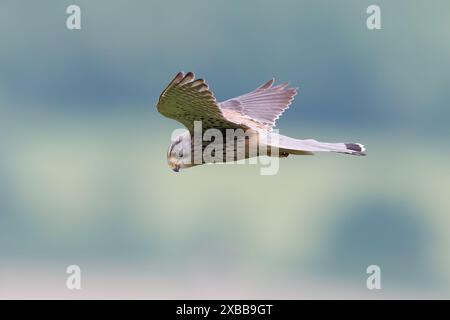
{"points": [[188, 100]]}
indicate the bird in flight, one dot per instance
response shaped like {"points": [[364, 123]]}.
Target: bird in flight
{"points": [[190, 101]]}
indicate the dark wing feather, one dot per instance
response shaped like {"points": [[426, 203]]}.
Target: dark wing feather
{"points": [[187, 100]]}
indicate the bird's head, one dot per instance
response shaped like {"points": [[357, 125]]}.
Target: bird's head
{"points": [[179, 152]]}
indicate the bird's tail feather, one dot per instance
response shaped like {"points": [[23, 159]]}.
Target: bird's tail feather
{"points": [[309, 146]]}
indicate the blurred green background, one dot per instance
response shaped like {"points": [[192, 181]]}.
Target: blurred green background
{"points": [[84, 179]]}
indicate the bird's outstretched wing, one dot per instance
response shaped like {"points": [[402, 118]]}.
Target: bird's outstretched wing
{"points": [[187, 100], [264, 104]]}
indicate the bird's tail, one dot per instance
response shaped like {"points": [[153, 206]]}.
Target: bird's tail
{"points": [[309, 146]]}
